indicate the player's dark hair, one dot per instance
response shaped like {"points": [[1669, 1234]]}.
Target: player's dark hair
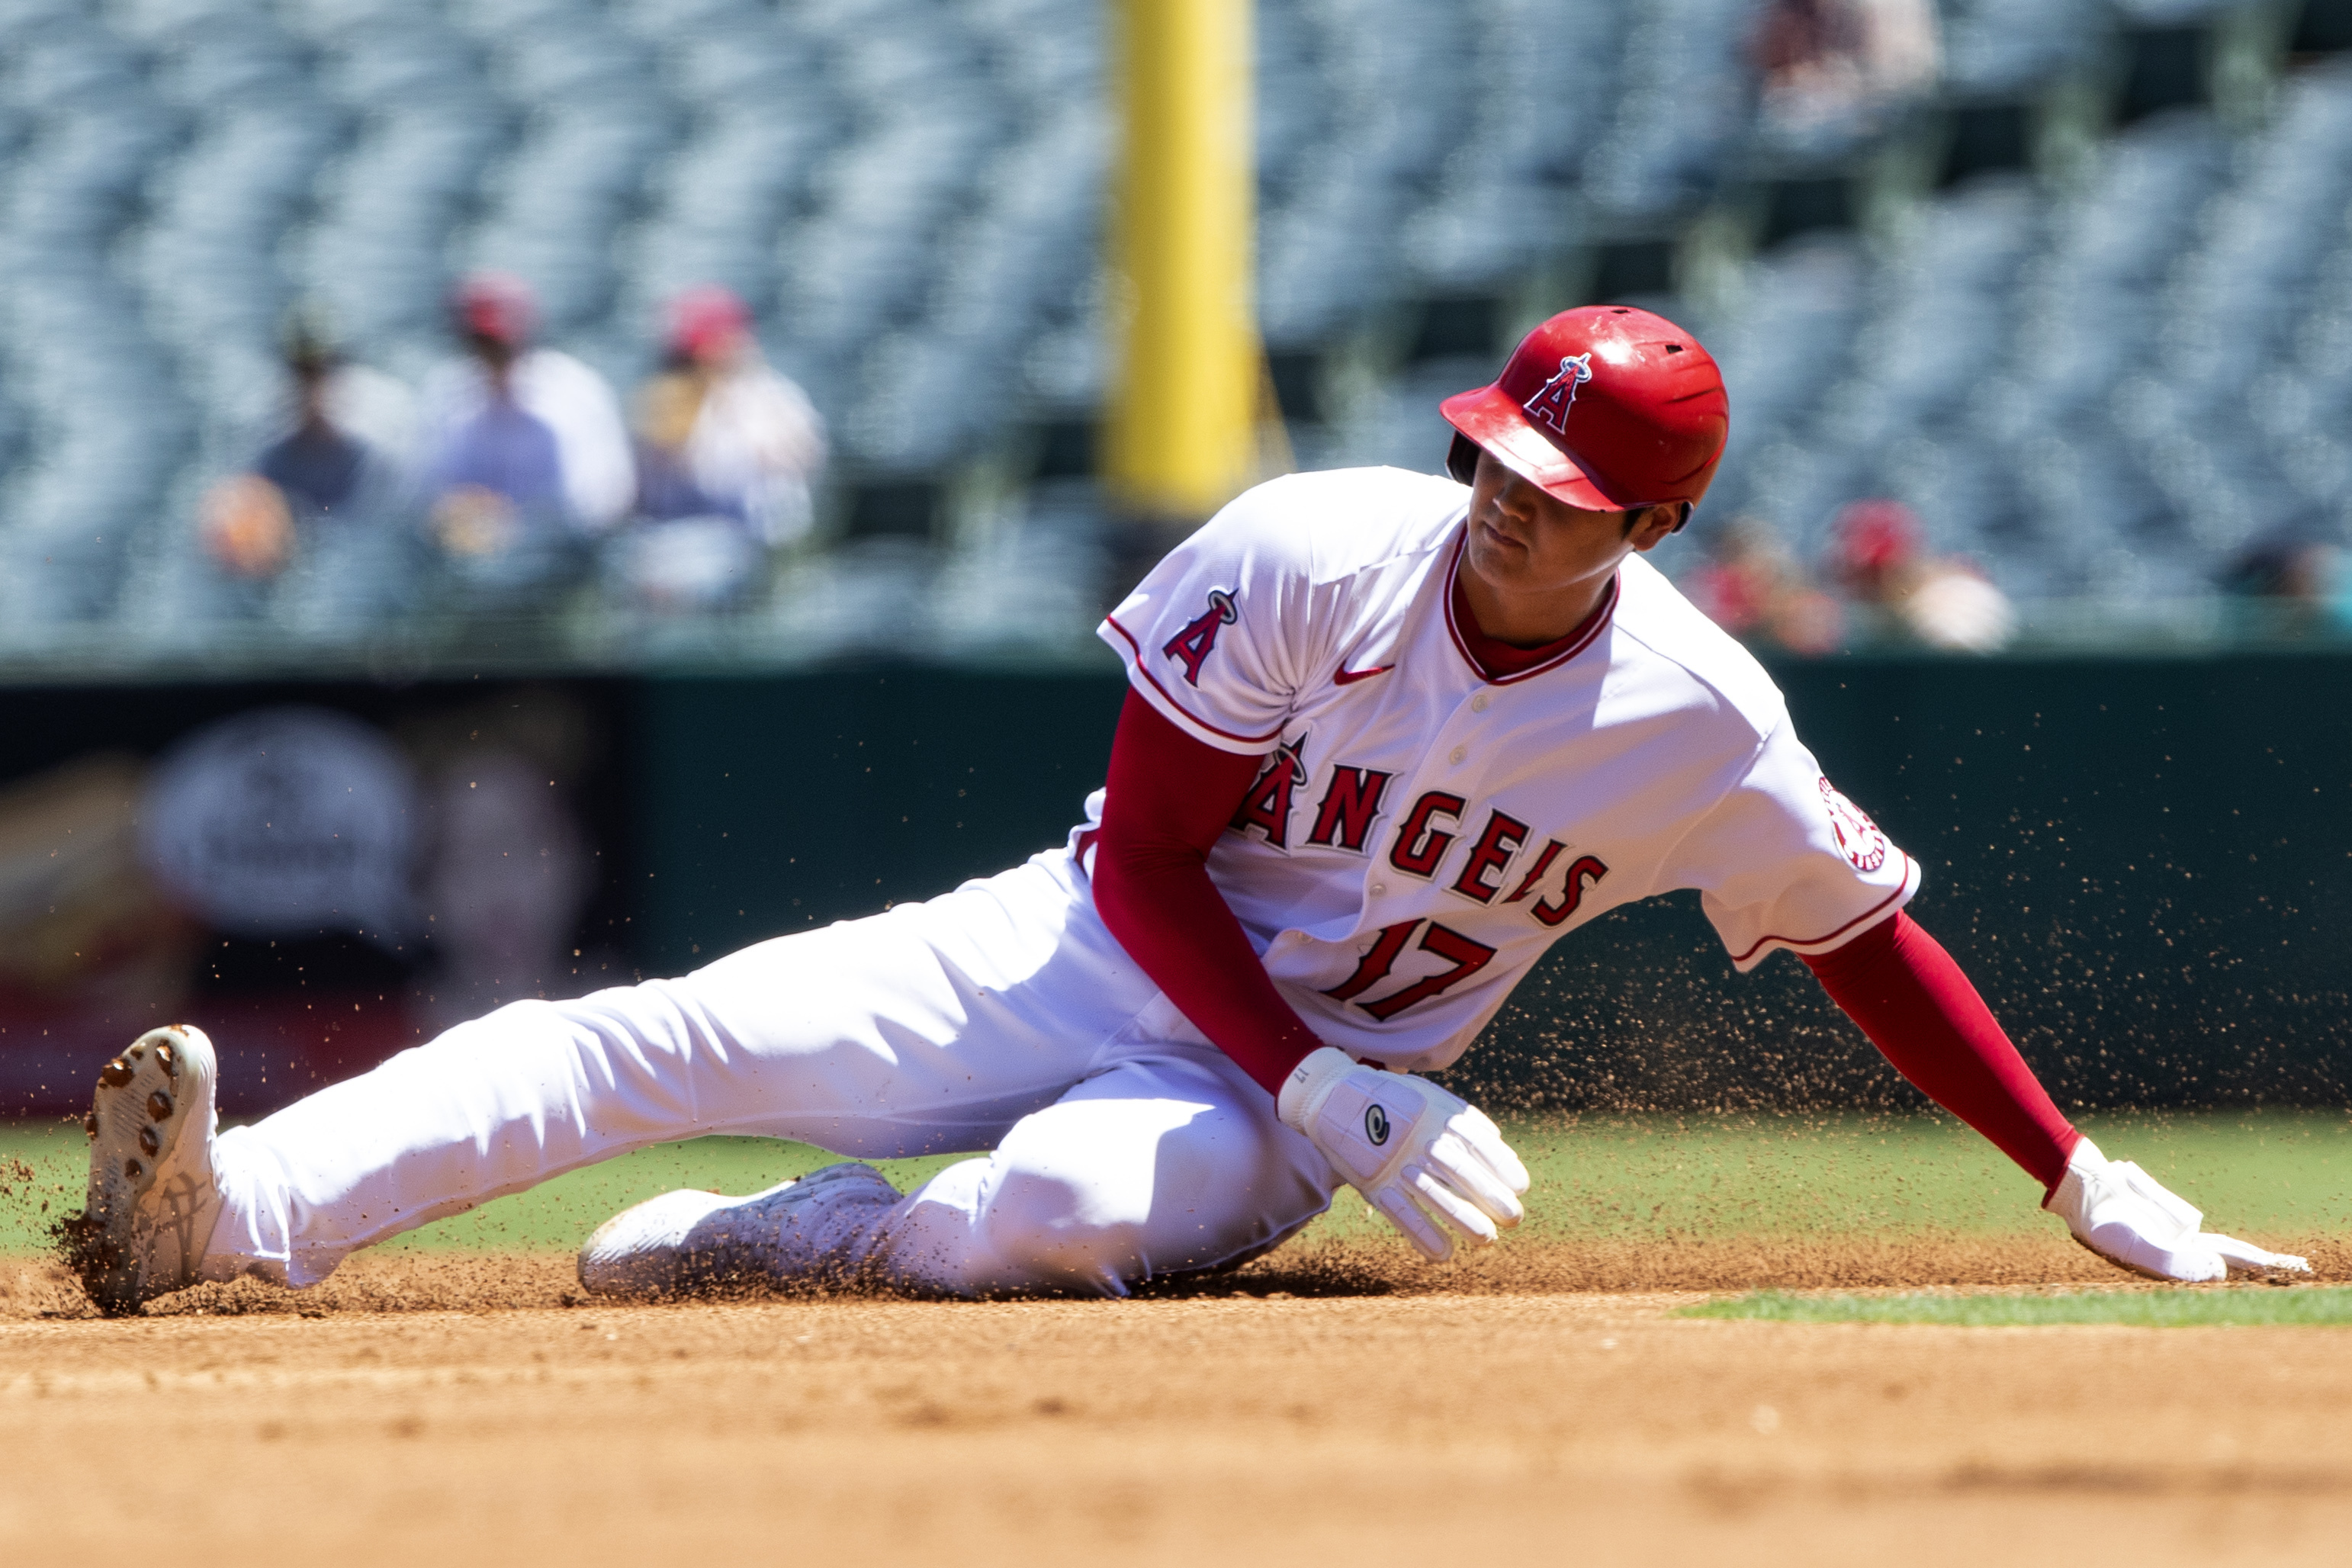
{"points": [[1462, 458], [1634, 514]]}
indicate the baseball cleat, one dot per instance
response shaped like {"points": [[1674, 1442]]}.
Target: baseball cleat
{"points": [[152, 1202], [803, 1231]]}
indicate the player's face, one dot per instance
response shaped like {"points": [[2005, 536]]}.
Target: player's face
{"points": [[1539, 560]]}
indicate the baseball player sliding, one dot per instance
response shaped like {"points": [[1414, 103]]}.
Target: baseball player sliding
{"points": [[1387, 737]]}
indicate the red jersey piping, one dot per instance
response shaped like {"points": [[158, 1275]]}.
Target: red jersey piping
{"points": [[1168, 697], [1800, 945], [1582, 639]]}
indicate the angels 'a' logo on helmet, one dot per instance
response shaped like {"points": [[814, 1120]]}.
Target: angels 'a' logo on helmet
{"points": [[1555, 398], [1857, 836]]}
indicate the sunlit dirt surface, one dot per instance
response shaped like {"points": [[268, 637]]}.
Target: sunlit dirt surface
{"points": [[1338, 1404]]}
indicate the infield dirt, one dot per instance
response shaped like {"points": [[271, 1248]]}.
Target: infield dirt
{"points": [[1338, 1404]]}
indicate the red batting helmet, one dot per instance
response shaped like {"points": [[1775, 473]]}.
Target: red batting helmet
{"points": [[1606, 407]]}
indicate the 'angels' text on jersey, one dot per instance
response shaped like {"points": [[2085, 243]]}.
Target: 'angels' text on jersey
{"points": [[1420, 833]]}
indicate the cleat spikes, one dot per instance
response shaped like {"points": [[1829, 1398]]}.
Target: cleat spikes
{"points": [[152, 1201]]}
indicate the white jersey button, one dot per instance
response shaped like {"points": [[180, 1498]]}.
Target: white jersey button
{"points": [[1379, 888], [1478, 703], [1456, 755]]}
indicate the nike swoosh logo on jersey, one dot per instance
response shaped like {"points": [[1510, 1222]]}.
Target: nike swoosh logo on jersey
{"points": [[1349, 677]]}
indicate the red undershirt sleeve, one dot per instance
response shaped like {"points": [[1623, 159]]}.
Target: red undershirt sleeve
{"points": [[1899, 985], [1170, 797]]}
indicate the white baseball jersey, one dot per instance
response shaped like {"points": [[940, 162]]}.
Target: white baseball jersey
{"points": [[1421, 833]]}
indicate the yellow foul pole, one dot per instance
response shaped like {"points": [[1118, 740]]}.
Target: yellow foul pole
{"points": [[1182, 438]]}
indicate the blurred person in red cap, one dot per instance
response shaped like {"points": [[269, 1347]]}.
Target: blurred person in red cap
{"points": [[517, 435], [1878, 555], [720, 431], [1753, 587], [728, 451]]}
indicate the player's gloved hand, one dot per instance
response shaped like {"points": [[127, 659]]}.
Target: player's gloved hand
{"points": [[2127, 1218], [1428, 1159]]}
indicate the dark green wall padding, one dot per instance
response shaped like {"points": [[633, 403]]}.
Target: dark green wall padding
{"points": [[2145, 864]]}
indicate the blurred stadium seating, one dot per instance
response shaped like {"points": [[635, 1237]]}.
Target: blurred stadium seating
{"points": [[2084, 303]]}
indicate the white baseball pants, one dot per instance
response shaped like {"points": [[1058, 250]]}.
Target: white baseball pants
{"points": [[1001, 1017]]}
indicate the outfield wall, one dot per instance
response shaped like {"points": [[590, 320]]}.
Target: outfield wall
{"points": [[2146, 863]]}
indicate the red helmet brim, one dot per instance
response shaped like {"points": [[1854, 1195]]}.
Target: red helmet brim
{"points": [[1493, 419]]}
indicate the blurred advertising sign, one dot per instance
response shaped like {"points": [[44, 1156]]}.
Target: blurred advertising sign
{"points": [[284, 822], [80, 915]]}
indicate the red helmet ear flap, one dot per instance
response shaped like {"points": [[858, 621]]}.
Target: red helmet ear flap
{"points": [[1462, 458]]}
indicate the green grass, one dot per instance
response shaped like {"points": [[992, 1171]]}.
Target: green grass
{"points": [[1650, 1176], [2174, 1308], [556, 1214], [1632, 1178]]}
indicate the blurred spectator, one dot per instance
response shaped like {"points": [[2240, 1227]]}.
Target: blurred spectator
{"points": [[1833, 68], [1753, 589], [720, 431], [517, 438], [322, 468], [727, 452], [1942, 601], [2303, 579]]}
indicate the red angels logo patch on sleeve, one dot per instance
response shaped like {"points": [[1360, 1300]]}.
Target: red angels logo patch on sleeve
{"points": [[1189, 647], [1857, 836]]}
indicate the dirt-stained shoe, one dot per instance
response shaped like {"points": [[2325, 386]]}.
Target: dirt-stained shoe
{"points": [[807, 1231], [151, 1204]]}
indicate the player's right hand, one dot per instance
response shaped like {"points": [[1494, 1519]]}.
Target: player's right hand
{"points": [[1429, 1161], [2127, 1218]]}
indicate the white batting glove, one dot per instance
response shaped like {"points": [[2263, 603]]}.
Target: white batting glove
{"points": [[2127, 1218], [1428, 1159]]}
